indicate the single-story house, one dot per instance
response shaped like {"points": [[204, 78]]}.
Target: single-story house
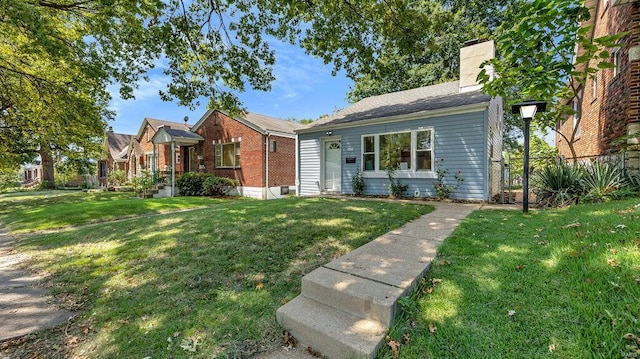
{"points": [[256, 150], [114, 155], [452, 124]]}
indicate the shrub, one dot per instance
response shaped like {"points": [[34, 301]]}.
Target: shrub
{"points": [[204, 184], [396, 188], [190, 183], [602, 182], [143, 181], [357, 183], [117, 177], [218, 186], [444, 190], [558, 185]]}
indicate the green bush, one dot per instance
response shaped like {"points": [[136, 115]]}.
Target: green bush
{"points": [[190, 183], [602, 182], [357, 183], [117, 177], [218, 186], [143, 181], [204, 184], [396, 187], [558, 185]]}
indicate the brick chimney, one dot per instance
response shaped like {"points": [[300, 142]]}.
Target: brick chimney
{"points": [[472, 55]]}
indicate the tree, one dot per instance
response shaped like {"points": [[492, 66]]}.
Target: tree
{"points": [[538, 60], [434, 58]]}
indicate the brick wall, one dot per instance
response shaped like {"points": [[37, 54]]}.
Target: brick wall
{"points": [[606, 115], [282, 168], [252, 149]]}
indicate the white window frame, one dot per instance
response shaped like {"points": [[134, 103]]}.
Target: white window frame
{"points": [[412, 171], [219, 150]]}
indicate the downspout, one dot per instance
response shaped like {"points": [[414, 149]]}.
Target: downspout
{"points": [[297, 166], [266, 192], [173, 168]]}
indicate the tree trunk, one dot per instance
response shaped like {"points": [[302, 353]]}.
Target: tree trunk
{"points": [[48, 180]]}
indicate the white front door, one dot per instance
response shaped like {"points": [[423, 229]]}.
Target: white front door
{"points": [[332, 166]]}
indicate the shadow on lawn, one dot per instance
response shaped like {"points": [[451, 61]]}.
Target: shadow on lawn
{"points": [[201, 283], [557, 283]]}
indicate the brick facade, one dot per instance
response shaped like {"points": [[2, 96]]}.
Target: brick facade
{"points": [[609, 111], [219, 128]]}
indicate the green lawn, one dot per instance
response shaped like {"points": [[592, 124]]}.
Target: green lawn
{"points": [[47, 210], [557, 283], [203, 283]]}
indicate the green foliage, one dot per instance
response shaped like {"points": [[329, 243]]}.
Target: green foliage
{"points": [[9, 179], [218, 186], [541, 154], [442, 188], [536, 59], [558, 185], [204, 184], [396, 187], [357, 182], [563, 184], [601, 181], [190, 183], [117, 177], [143, 181]]}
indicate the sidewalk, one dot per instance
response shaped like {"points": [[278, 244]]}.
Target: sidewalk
{"points": [[378, 273], [24, 307]]}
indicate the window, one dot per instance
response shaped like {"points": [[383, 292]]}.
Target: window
{"points": [[102, 169], [149, 161], [228, 154], [594, 86], [272, 146], [576, 116], [616, 61], [405, 151], [177, 158]]}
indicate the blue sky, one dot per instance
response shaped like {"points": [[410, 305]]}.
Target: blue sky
{"points": [[303, 88]]}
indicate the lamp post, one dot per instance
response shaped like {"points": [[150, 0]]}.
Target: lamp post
{"points": [[527, 110]]}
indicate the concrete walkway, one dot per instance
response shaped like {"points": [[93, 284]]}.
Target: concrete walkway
{"points": [[347, 305], [24, 307]]}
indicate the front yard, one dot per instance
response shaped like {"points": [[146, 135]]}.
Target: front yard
{"points": [[556, 283], [200, 283]]}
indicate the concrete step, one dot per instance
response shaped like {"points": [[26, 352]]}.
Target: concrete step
{"points": [[335, 334], [355, 295]]}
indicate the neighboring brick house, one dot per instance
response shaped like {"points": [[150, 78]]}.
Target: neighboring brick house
{"points": [[611, 100], [145, 155], [115, 155], [256, 150]]}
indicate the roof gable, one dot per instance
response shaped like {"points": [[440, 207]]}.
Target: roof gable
{"points": [[155, 124], [117, 145]]}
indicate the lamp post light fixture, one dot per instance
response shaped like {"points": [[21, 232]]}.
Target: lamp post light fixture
{"points": [[527, 110]]}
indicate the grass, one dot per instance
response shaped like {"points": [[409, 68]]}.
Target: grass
{"points": [[49, 210], [557, 283], [202, 283]]}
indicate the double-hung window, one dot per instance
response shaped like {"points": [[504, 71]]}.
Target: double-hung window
{"points": [[228, 154], [408, 151]]}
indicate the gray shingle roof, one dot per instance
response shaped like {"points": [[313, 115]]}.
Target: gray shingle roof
{"points": [[435, 97], [155, 123], [272, 124], [180, 133], [118, 144]]}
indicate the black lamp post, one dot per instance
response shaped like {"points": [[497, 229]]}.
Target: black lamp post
{"points": [[527, 110]]}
